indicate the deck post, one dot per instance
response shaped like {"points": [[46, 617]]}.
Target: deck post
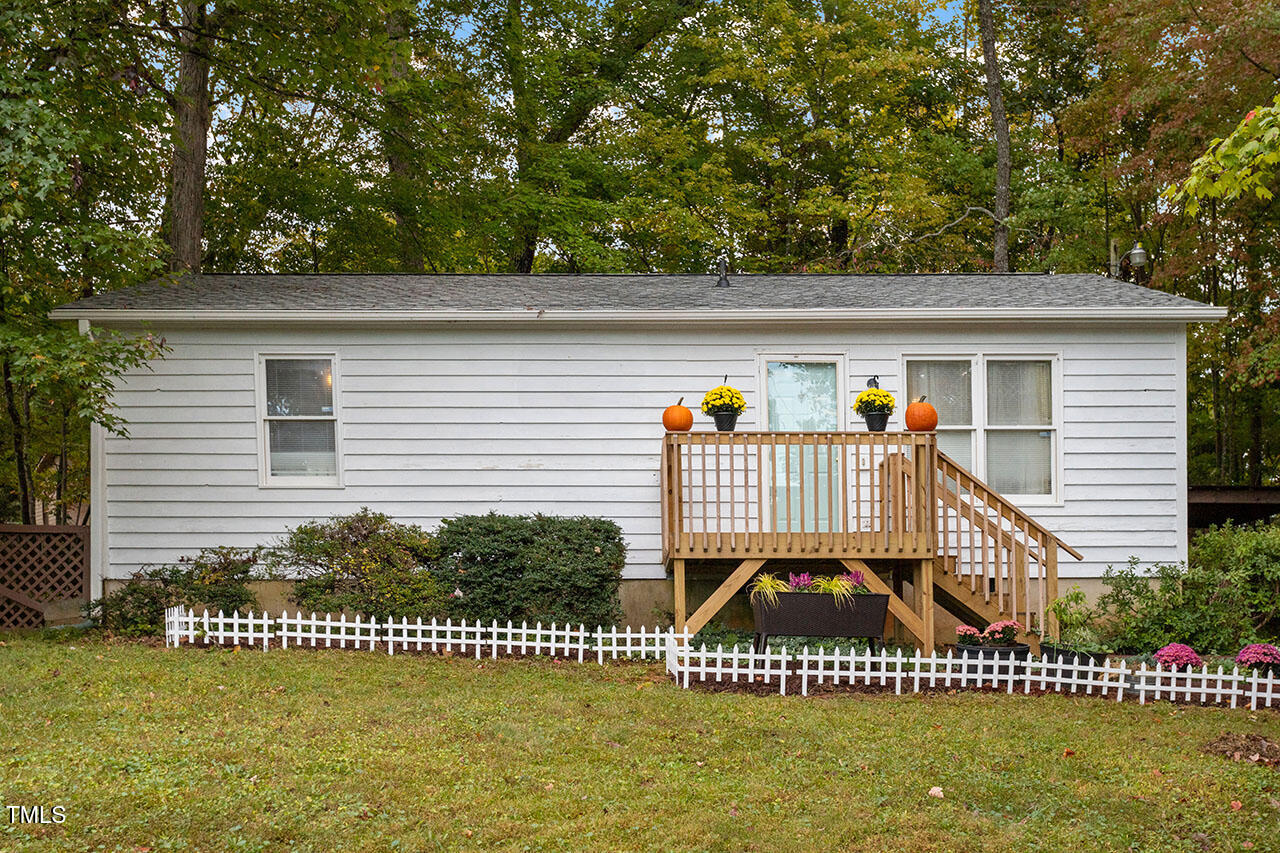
{"points": [[906, 617], [922, 581], [681, 602]]}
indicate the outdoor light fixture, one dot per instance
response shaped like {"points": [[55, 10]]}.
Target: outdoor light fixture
{"points": [[1137, 258]]}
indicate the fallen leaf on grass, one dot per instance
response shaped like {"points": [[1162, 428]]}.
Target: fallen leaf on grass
{"points": [[936, 791], [1236, 805], [1068, 752]]}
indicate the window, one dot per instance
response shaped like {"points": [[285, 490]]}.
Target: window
{"points": [[1020, 395], [299, 420], [996, 417], [948, 385]]}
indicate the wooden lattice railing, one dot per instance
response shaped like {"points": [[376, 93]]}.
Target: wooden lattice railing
{"points": [[40, 564], [993, 549]]}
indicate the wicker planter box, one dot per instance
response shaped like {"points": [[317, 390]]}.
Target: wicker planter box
{"points": [[814, 614]]}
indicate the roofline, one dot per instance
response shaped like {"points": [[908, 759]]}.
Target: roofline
{"points": [[1128, 314]]}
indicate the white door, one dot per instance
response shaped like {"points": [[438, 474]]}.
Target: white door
{"points": [[803, 395]]}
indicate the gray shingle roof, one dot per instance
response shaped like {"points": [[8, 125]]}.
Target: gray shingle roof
{"points": [[622, 293]]}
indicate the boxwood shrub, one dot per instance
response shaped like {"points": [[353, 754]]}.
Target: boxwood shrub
{"points": [[533, 567]]}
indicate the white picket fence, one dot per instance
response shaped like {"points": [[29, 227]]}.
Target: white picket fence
{"points": [[913, 673]]}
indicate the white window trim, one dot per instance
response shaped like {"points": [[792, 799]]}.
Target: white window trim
{"points": [[265, 479], [978, 376], [839, 359]]}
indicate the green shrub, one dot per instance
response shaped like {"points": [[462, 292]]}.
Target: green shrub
{"points": [[362, 563], [215, 579], [1227, 596], [535, 568]]}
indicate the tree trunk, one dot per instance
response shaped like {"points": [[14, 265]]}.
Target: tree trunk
{"points": [[190, 142], [1000, 123], [1255, 440], [400, 155], [21, 440], [525, 230]]}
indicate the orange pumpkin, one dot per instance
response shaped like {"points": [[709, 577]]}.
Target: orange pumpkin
{"points": [[920, 416], [677, 418]]}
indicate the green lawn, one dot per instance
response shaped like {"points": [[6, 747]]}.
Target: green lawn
{"points": [[214, 750]]}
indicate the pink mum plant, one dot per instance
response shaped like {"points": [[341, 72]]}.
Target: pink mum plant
{"points": [[968, 635], [1258, 655], [1177, 656], [1003, 633]]}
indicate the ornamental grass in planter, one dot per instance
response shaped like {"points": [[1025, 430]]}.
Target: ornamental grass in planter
{"points": [[1076, 640], [808, 606], [998, 643]]}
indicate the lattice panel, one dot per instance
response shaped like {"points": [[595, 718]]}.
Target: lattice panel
{"points": [[42, 563], [15, 615]]}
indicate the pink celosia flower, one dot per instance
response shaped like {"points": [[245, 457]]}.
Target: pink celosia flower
{"points": [[801, 581], [1258, 654], [1178, 655], [855, 578]]}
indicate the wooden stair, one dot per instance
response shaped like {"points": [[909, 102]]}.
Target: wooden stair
{"points": [[993, 561]]}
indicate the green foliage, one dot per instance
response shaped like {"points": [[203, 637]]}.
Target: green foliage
{"points": [[1227, 596], [534, 567], [1077, 623], [214, 579], [1241, 163], [363, 563], [1248, 558]]}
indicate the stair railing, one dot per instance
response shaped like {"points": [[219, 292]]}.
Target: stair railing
{"points": [[993, 548]]}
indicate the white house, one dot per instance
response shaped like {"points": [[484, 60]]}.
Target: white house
{"points": [[291, 397]]}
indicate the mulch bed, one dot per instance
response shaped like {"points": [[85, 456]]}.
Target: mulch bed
{"points": [[1253, 748]]}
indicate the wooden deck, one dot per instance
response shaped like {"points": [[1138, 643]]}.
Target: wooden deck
{"points": [[860, 500], [824, 495]]}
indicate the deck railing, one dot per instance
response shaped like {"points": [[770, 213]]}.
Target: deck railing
{"points": [[993, 549], [799, 494]]}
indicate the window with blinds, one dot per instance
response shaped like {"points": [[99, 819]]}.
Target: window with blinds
{"points": [[996, 417], [299, 420]]}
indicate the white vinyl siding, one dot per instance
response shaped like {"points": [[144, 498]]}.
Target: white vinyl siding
{"points": [[443, 421]]}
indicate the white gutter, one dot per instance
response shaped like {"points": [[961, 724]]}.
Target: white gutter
{"points": [[695, 316]]}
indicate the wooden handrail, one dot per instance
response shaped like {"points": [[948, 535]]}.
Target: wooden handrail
{"points": [[984, 537], [944, 459]]}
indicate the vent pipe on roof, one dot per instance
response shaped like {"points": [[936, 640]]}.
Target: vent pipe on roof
{"points": [[723, 281]]}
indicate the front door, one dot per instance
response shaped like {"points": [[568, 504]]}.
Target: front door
{"points": [[803, 395]]}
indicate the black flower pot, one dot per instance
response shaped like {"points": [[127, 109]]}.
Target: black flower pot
{"points": [[1070, 659], [877, 421], [725, 421], [995, 660], [817, 614]]}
